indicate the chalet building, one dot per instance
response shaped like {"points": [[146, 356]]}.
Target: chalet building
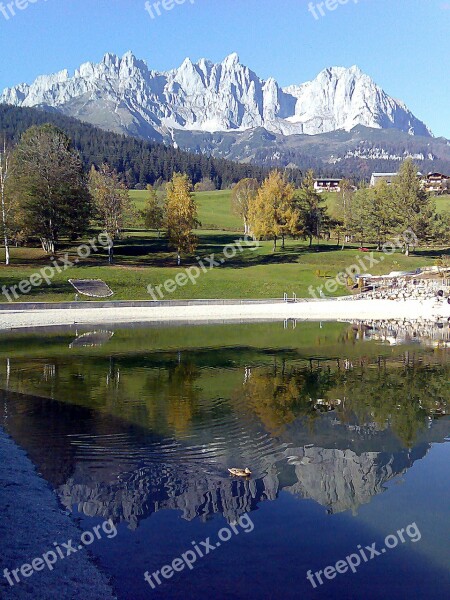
{"points": [[387, 177], [327, 185], [436, 183]]}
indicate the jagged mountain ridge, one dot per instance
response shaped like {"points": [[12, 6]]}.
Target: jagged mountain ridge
{"points": [[124, 95]]}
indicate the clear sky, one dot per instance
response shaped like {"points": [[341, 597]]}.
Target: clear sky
{"points": [[404, 45]]}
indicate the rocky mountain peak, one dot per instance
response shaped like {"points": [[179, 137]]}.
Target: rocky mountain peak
{"points": [[210, 97]]}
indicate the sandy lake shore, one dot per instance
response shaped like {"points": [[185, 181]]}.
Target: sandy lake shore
{"points": [[32, 521], [323, 310]]}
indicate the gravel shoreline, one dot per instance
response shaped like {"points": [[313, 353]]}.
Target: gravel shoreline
{"points": [[31, 521], [325, 310]]}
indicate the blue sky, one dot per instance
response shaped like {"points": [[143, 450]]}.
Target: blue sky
{"points": [[403, 44]]}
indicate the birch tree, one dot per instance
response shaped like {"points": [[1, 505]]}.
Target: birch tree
{"points": [[242, 196], [6, 200]]}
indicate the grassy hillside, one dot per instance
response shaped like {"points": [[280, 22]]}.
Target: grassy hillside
{"points": [[442, 202], [214, 209]]}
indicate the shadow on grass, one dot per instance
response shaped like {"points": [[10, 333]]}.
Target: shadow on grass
{"points": [[30, 261], [288, 255], [141, 250], [435, 254], [59, 288]]}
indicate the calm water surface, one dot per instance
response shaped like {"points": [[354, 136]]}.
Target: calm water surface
{"points": [[346, 434]]}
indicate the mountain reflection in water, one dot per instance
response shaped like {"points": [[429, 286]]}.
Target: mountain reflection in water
{"points": [[129, 434]]}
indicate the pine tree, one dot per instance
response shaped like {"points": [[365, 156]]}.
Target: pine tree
{"points": [[312, 208], [360, 223], [440, 229], [343, 211], [381, 212], [414, 208]]}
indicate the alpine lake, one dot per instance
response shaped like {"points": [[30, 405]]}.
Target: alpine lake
{"points": [[345, 429]]}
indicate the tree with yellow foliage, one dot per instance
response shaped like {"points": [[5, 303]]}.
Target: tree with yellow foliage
{"points": [[181, 211], [269, 212]]}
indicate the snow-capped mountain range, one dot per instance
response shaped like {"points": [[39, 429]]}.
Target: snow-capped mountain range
{"points": [[124, 95]]}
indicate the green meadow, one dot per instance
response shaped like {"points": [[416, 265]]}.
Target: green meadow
{"points": [[142, 259], [443, 203], [214, 209]]}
